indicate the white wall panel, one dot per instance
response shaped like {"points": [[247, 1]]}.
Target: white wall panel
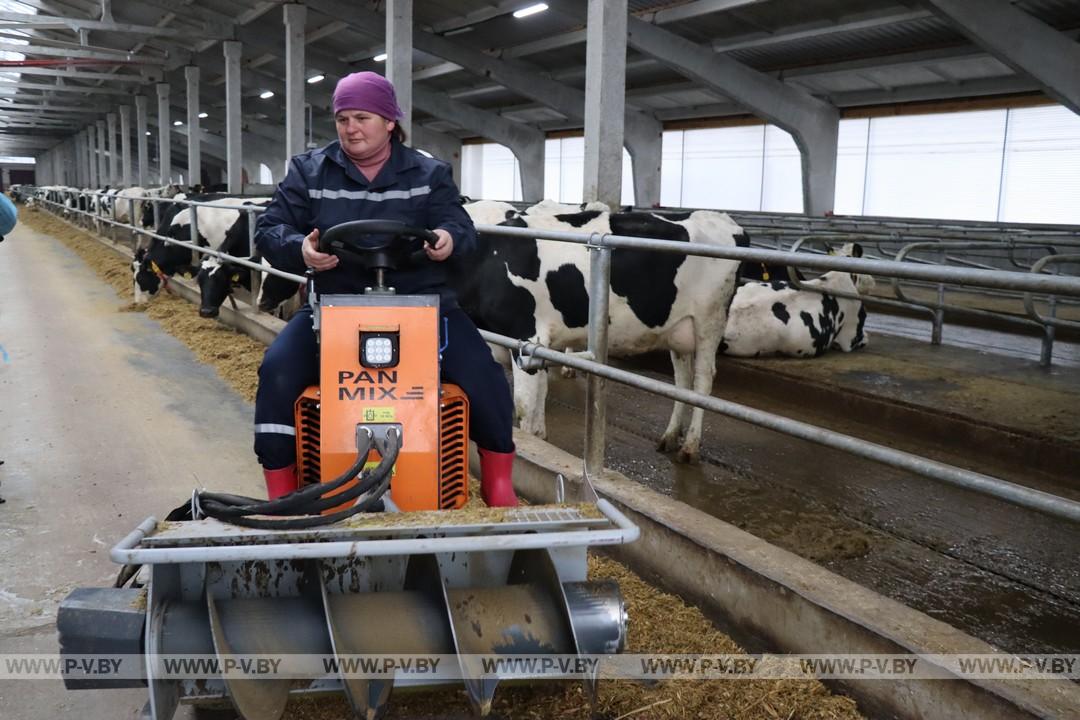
{"points": [[722, 168], [851, 166], [671, 167], [935, 166], [781, 186]]}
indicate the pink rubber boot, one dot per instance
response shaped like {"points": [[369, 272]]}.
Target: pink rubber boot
{"points": [[496, 478], [280, 482]]}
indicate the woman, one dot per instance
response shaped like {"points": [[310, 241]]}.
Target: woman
{"points": [[369, 173]]}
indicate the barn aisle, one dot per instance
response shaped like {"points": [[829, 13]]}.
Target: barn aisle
{"points": [[104, 420]]}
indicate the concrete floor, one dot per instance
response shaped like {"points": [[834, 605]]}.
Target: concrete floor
{"points": [[104, 420]]}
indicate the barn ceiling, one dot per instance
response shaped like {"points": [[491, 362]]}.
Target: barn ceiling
{"points": [[69, 62]]}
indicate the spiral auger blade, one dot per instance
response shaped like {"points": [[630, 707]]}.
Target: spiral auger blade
{"points": [[411, 621], [246, 629], [528, 615]]}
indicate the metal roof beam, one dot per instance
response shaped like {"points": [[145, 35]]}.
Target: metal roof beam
{"points": [[65, 88], [1022, 41], [119, 56], [782, 35], [54, 108], [690, 10], [76, 24], [74, 75]]}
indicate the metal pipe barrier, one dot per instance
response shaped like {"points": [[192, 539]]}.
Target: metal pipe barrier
{"points": [[1029, 303], [1011, 492], [1035, 320], [127, 552], [1001, 279], [99, 220]]}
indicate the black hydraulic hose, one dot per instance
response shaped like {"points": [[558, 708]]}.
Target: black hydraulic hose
{"points": [[237, 505], [379, 478]]}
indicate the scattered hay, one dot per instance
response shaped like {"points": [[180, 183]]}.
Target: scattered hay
{"points": [[659, 622]]}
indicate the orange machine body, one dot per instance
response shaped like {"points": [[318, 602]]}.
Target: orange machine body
{"points": [[399, 389]]}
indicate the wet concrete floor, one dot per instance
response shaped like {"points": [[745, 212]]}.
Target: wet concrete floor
{"points": [[1005, 574], [104, 420]]}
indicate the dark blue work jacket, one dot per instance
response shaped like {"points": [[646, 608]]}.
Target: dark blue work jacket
{"points": [[324, 188]]}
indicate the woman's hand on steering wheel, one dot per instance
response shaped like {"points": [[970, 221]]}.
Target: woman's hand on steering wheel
{"points": [[442, 247], [318, 261]]}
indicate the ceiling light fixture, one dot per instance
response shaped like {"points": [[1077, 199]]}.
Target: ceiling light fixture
{"points": [[531, 10], [380, 57], [177, 123], [316, 78], [458, 31], [203, 116], [266, 94]]}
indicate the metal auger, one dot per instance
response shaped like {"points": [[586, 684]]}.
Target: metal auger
{"points": [[438, 586]]}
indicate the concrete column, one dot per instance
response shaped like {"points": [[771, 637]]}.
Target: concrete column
{"points": [[194, 135], [818, 144], [644, 141], [143, 174], [103, 165], [80, 160], [605, 100], [114, 156], [5, 177], [233, 149], [399, 56], [295, 79], [91, 157], [125, 145], [164, 134]]}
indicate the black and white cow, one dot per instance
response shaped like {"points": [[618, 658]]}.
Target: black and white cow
{"points": [[778, 319], [131, 206], [538, 290], [164, 259], [218, 277]]}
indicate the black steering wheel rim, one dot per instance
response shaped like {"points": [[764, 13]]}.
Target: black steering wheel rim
{"points": [[346, 234]]}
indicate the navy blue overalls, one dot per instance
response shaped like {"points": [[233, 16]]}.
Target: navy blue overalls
{"points": [[321, 189]]}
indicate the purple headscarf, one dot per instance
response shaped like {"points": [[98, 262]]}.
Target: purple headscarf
{"points": [[367, 91]]}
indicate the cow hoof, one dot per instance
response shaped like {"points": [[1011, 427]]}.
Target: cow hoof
{"points": [[687, 457], [668, 444]]}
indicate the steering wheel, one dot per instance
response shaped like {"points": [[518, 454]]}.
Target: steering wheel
{"points": [[404, 244]]}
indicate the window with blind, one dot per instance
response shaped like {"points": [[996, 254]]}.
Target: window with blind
{"points": [[935, 166], [1015, 165], [1042, 166]]}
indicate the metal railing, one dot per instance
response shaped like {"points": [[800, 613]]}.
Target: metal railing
{"points": [[100, 216], [936, 310], [593, 361]]}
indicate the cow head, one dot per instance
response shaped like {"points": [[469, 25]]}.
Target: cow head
{"points": [[863, 283], [146, 280], [274, 291], [215, 280]]}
